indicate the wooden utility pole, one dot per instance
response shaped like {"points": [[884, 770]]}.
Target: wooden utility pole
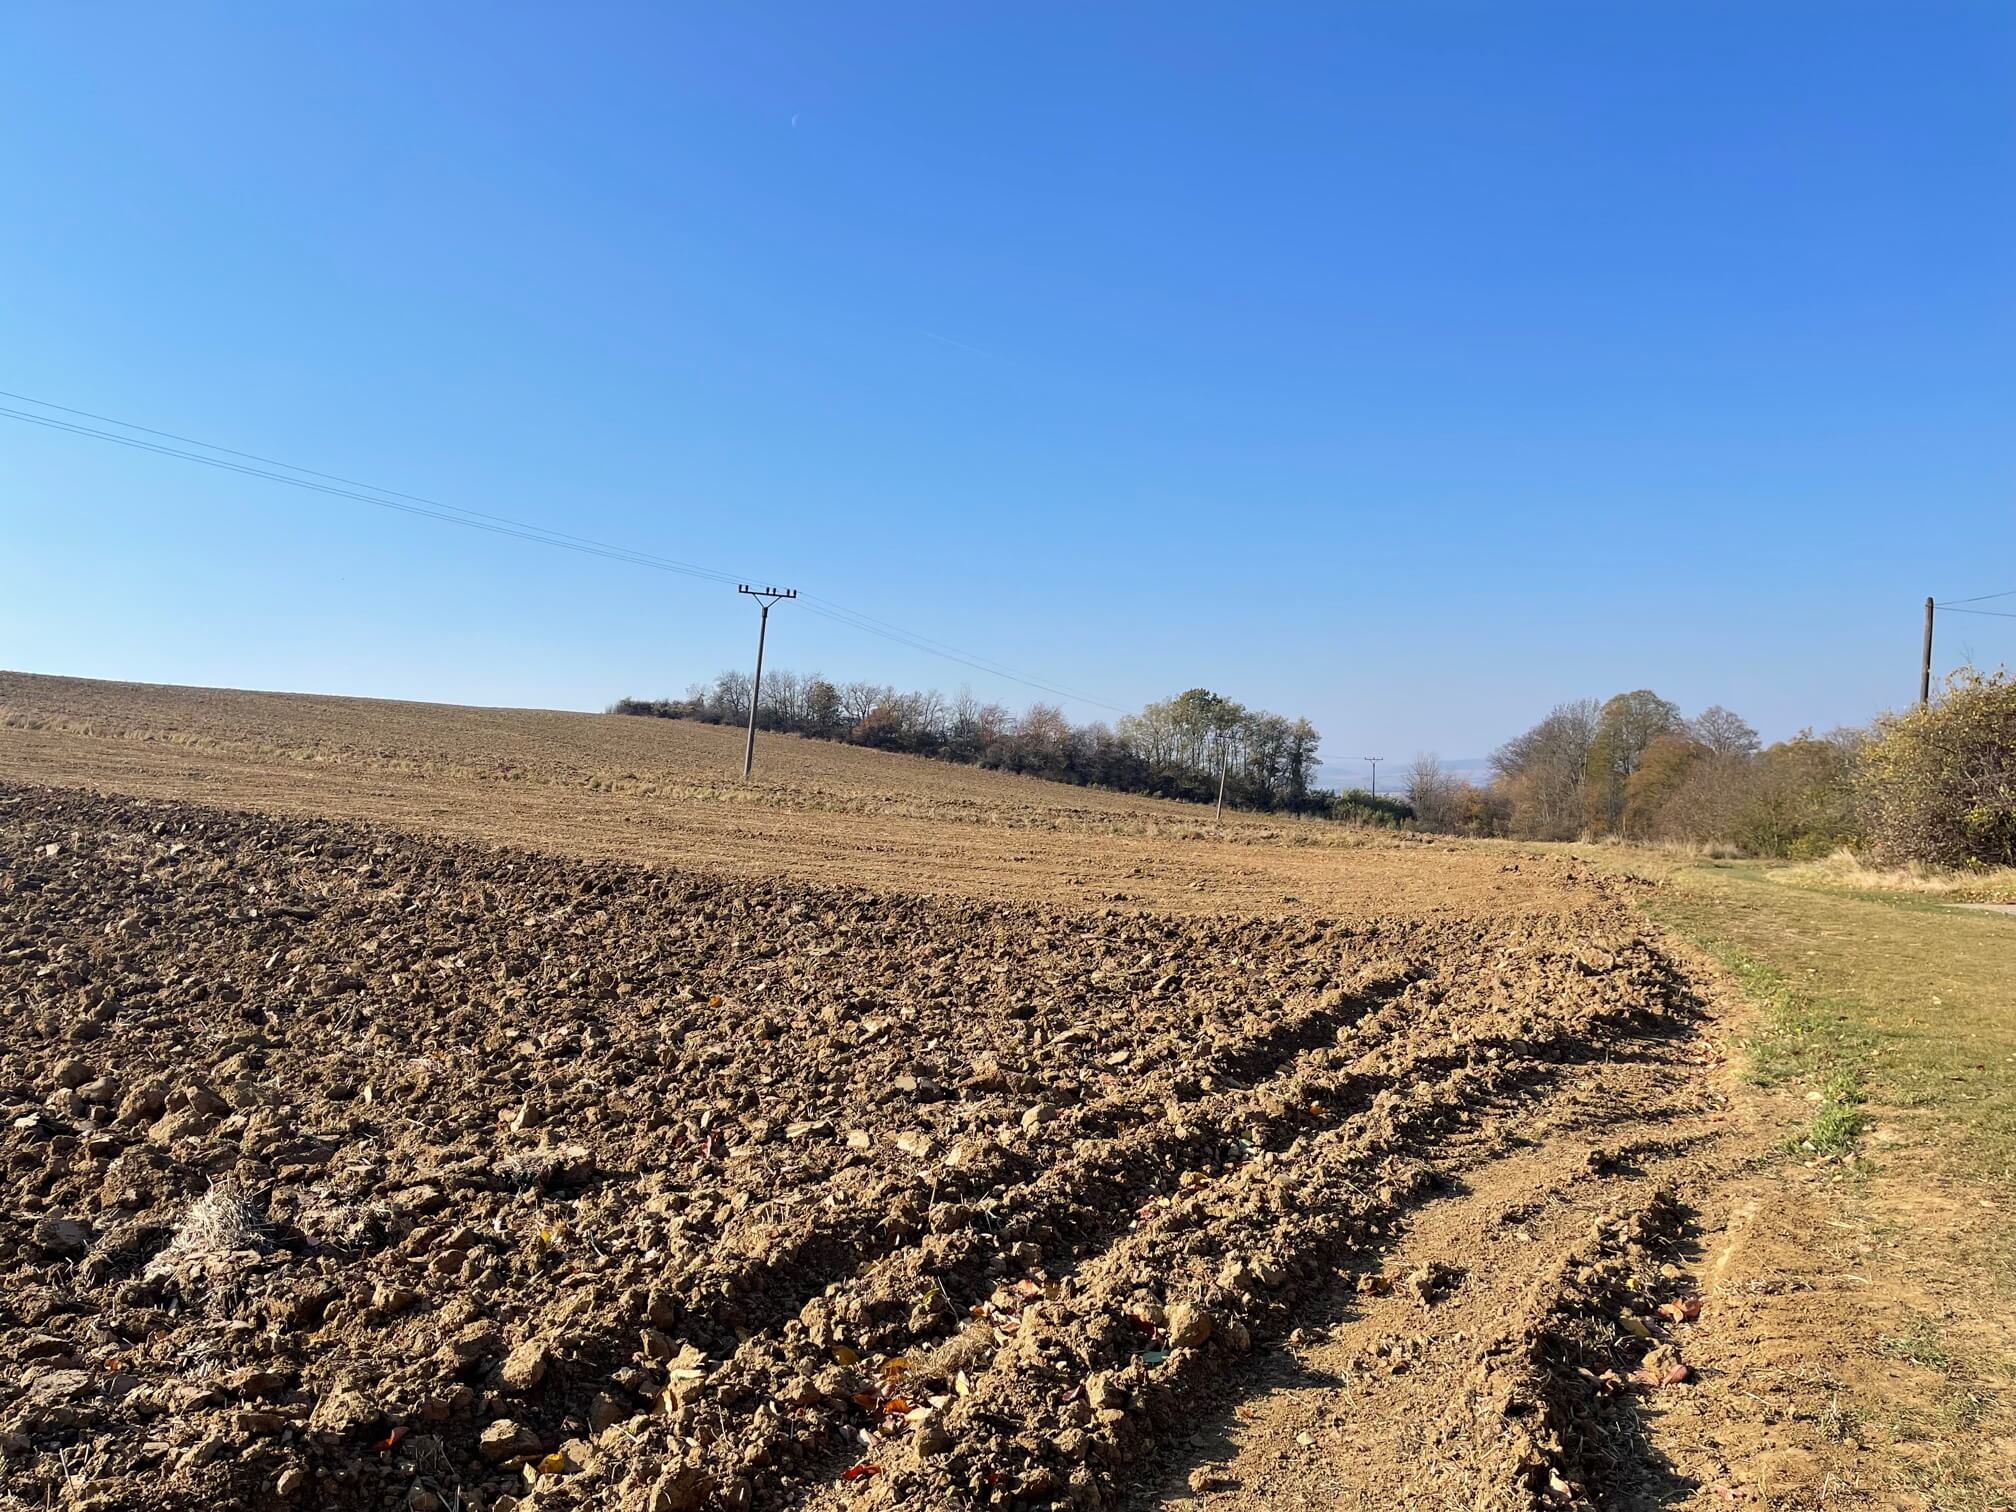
{"points": [[766, 597], [1221, 779], [1925, 666], [1375, 760]]}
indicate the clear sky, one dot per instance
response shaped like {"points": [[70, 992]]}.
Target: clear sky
{"points": [[1408, 365]]}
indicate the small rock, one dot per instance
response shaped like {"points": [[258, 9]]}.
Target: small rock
{"points": [[1102, 1390], [683, 1490], [1040, 1114], [293, 1481], [525, 1367], [505, 1440], [342, 1413], [1189, 1326], [72, 1073], [62, 1237]]}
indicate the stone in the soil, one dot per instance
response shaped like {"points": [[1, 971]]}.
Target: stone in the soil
{"points": [[72, 1073], [62, 1237], [683, 1490], [506, 1440], [1102, 1390], [1189, 1326], [342, 1413], [525, 1367]]}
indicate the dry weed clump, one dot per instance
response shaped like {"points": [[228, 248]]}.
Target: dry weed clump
{"points": [[212, 1241]]}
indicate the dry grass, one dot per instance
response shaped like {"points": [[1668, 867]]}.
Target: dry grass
{"points": [[210, 1243], [1845, 869]]}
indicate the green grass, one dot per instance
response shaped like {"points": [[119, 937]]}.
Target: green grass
{"points": [[1890, 1007], [1868, 998]]}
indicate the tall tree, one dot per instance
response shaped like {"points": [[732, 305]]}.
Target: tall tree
{"points": [[1542, 772], [1724, 733], [1628, 724]]}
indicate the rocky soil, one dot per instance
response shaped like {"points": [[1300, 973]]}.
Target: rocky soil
{"points": [[353, 1169]]}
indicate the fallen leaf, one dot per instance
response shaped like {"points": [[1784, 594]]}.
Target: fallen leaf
{"points": [[389, 1440], [1635, 1326], [860, 1471], [961, 1385], [844, 1354], [865, 1400]]}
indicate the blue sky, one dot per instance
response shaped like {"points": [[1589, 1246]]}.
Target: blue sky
{"points": [[1411, 366]]}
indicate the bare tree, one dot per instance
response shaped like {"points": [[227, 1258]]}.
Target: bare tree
{"points": [[1542, 772], [1435, 795], [1722, 732]]}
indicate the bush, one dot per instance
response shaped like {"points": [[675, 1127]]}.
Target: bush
{"points": [[1356, 806], [1938, 784], [1799, 799]]}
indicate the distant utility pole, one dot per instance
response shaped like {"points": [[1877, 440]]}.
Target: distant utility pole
{"points": [[1375, 760], [766, 597], [1220, 820], [1925, 666]]}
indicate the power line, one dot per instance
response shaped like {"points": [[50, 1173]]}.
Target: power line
{"points": [[1980, 598], [329, 477], [474, 519], [469, 519], [1991, 613]]}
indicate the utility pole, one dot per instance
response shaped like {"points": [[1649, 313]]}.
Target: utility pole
{"points": [[1925, 666], [766, 597], [1220, 821], [1375, 760]]}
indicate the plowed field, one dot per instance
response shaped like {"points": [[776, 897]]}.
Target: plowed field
{"points": [[359, 1160]]}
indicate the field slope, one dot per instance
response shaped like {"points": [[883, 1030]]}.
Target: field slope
{"points": [[429, 1107]]}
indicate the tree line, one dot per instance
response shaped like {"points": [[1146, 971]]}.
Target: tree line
{"points": [[1173, 748], [1935, 784]]}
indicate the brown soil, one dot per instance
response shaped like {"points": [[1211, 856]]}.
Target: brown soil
{"points": [[665, 791], [362, 1161]]}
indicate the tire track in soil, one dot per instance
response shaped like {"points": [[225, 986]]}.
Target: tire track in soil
{"points": [[1167, 1395], [1432, 1387]]}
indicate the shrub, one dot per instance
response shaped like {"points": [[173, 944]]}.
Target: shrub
{"points": [[1938, 784], [1799, 800], [1356, 806]]}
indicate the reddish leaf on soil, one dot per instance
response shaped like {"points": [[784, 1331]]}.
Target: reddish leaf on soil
{"points": [[860, 1471]]}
